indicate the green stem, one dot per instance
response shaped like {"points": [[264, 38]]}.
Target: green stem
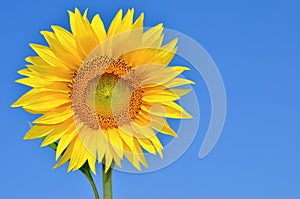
{"points": [[106, 182], [85, 169], [88, 175]]}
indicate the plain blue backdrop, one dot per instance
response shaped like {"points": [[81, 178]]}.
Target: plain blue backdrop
{"points": [[256, 46]]}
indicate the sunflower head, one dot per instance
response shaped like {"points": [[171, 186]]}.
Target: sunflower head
{"points": [[103, 94]]}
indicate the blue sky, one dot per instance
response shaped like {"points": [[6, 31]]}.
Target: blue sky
{"points": [[256, 46]]}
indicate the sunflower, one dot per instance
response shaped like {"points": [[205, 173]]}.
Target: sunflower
{"points": [[103, 94]]}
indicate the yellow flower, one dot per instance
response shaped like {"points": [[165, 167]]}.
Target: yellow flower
{"points": [[103, 95]]}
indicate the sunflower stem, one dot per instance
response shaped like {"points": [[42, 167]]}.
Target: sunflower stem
{"points": [[88, 175], [85, 169], [107, 182]]}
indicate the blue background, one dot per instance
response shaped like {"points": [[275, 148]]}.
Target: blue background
{"points": [[256, 46]]}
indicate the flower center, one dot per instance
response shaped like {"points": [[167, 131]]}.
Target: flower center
{"points": [[106, 93]]}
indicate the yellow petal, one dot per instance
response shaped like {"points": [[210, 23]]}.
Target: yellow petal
{"points": [[66, 156], [153, 37], [101, 145], [79, 49], [57, 87], [126, 24], [179, 69], [85, 13], [38, 131], [115, 156], [78, 156], [49, 73], [147, 145], [57, 132], [172, 110], [32, 82], [143, 131], [85, 35], [99, 28], [150, 55], [164, 95], [133, 158], [138, 24], [35, 98], [92, 162], [178, 82], [26, 72], [47, 55], [157, 144], [42, 108], [67, 40], [159, 124], [116, 142], [127, 138], [65, 141], [115, 24], [87, 136], [36, 60], [56, 116], [68, 58], [139, 153], [108, 160], [179, 92], [155, 74], [167, 53], [177, 107]]}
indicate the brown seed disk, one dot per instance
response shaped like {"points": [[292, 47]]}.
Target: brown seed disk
{"points": [[85, 88]]}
